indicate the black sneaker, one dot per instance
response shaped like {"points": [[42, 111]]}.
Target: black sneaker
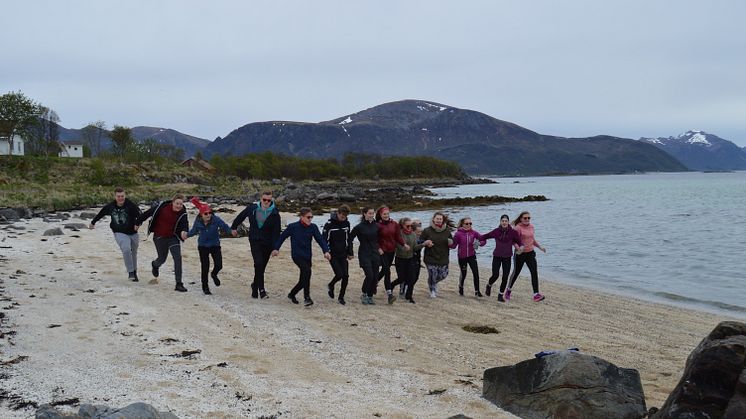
{"points": [[461, 291], [263, 294], [216, 280], [488, 290], [180, 288], [254, 292], [500, 298], [391, 298], [330, 290], [478, 294], [293, 299], [155, 269], [206, 291], [411, 300], [132, 277], [308, 302], [341, 300]]}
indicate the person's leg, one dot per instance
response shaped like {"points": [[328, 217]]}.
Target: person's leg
{"points": [[411, 279], [462, 268], [475, 273], [125, 245], [387, 259], [306, 277], [345, 272], [299, 284], [520, 260], [431, 277], [401, 276], [134, 245], [175, 249], [161, 250], [336, 264], [217, 259], [505, 262], [531, 263], [204, 263]]}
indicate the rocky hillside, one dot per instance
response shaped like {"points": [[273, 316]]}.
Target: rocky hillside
{"points": [[189, 144], [478, 142], [699, 150]]}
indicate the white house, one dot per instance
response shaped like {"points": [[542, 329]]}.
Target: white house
{"points": [[71, 149], [18, 149]]}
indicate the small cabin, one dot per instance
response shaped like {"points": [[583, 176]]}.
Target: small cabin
{"points": [[18, 146], [198, 163], [72, 149]]}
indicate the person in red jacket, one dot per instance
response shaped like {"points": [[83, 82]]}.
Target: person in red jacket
{"points": [[389, 235]]}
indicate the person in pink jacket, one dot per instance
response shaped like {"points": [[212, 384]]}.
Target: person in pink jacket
{"points": [[527, 256], [467, 240]]}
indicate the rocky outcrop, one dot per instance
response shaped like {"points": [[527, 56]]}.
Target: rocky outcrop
{"points": [[714, 381], [86, 411], [566, 385]]}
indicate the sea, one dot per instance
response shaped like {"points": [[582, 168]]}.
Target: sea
{"points": [[675, 238]]}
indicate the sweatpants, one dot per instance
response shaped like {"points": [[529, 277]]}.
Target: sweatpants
{"points": [[370, 269], [204, 262], [405, 272], [387, 259], [164, 245], [341, 269], [304, 279], [472, 262], [497, 263], [529, 259], [435, 274], [260, 253], [128, 245]]}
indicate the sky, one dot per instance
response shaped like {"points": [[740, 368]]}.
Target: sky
{"points": [[568, 68]]}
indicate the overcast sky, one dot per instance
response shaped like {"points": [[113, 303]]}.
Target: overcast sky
{"points": [[570, 68]]}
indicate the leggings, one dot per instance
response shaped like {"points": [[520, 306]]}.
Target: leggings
{"points": [[204, 261], [340, 266], [387, 259], [370, 269], [304, 279], [405, 273], [472, 262], [529, 259], [498, 262]]}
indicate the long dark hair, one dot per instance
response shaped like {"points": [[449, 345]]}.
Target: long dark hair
{"points": [[518, 219], [363, 210]]}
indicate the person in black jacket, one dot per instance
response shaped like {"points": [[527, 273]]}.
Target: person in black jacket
{"points": [[264, 230], [336, 232], [124, 215], [169, 225], [367, 253]]}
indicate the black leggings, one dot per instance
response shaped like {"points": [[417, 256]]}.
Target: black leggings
{"points": [[204, 262], [472, 262], [260, 252], [530, 260], [370, 269], [498, 262], [406, 275], [340, 266], [304, 279], [387, 259]]}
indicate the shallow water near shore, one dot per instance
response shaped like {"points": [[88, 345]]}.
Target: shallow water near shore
{"points": [[678, 238]]}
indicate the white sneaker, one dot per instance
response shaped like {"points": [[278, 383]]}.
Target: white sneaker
{"points": [[433, 294]]}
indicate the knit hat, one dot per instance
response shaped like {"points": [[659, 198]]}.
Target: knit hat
{"points": [[203, 207]]}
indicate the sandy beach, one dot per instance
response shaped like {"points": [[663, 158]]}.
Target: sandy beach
{"points": [[91, 334]]}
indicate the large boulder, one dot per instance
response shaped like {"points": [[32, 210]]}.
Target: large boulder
{"points": [[566, 384], [714, 381]]}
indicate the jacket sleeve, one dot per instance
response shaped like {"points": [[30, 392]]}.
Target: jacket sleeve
{"points": [[240, 217], [106, 210], [482, 241], [222, 225], [183, 225], [194, 230], [456, 240], [284, 235], [517, 238], [145, 215], [325, 232], [350, 251], [320, 239]]}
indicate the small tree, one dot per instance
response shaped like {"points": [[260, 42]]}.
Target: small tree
{"points": [[93, 135], [17, 113], [43, 136], [122, 139]]}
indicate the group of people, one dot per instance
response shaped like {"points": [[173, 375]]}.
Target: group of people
{"points": [[383, 243]]}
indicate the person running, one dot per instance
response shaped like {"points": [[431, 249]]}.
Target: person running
{"points": [[467, 240], [437, 240], [169, 225], [527, 256], [405, 259], [301, 232], [207, 226], [336, 232], [366, 232], [264, 229], [124, 225], [417, 228], [506, 238], [389, 236]]}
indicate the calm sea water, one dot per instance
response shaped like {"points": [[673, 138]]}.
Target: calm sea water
{"points": [[678, 238]]}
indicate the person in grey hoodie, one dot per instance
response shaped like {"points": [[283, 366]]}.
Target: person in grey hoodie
{"points": [[437, 240], [124, 225]]}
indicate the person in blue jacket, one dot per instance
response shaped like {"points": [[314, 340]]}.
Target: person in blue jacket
{"points": [[301, 232], [207, 226]]}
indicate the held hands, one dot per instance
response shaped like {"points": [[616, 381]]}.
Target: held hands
{"points": [[234, 233], [328, 256], [380, 252], [91, 227], [427, 243], [275, 253], [183, 236], [406, 247], [519, 250], [136, 227], [350, 257]]}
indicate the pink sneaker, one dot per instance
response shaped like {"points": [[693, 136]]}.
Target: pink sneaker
{"points": [[507, 295], [538, 297]]}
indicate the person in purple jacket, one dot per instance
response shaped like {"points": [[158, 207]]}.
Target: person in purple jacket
{"points": [[467, 240], [506, 238]]}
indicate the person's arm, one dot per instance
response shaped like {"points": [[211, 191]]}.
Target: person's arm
{"points": [[147, 214], [539, 246], [350, 239], [454, 242], [194, 231], [325, 232], [135, 213], [240, 217], [106, 210], [283, 236], [222, 225], [182, 226], [482, 241], [322, 243]]}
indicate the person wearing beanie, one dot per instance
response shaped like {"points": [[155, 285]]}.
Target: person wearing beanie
{"points": [[208, 226], [467, 240], [506, 238], [389, 236], [336, 232], [437, 240]]}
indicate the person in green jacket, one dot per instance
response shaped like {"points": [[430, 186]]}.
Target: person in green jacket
{"points": [[437, 240], [406, 263]]}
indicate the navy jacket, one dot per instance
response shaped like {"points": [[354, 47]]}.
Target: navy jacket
{"points": [[270, 230], [209, 235], [300, 240]]}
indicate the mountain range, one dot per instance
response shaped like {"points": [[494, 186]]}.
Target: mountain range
{"points": [[699, 150], [189, 144], [478, 142]]}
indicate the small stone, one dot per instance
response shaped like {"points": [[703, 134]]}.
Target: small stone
{"points": [[54, 232]]}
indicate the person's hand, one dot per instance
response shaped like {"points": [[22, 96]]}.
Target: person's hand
{"points": [[350, 257], [519, 250], [427, 243], [234, 233], [91, 227], [183, 236], [543, 249], [406, 247], [136, 227], [275, 253], [328, 256], [380, 252], [476, 245]]}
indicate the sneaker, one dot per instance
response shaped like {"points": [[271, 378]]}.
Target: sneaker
{"points": [[371, 301], [216, 280], [478, 294], [364, 299], [330, 290], [500, 298], [206, 291], [507, 295], [293, 299], [461, 291], [132, 277], [155, 269], [180, 288], [341, 300], [392, 298], [254, 292], [538, 297], [263, 294], [308, 302], [488, 290], [411, 300], [433, 294]]}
